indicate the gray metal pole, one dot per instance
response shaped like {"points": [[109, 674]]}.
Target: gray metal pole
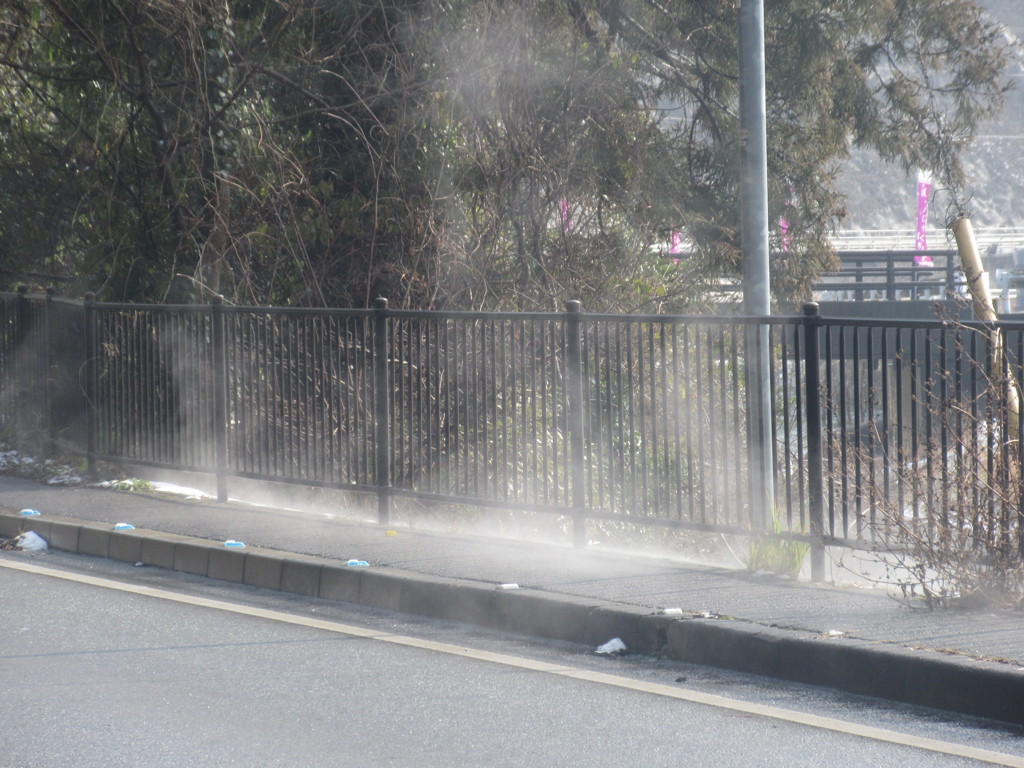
{"points": [[754, 230]]}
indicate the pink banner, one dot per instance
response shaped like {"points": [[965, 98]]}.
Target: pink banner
{"points": [[784, 224], [784, 229], [563, 205], [924, 189]]}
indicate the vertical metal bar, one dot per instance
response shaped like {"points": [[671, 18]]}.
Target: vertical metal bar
{"points": [[627, 388], [90, 383], [516, 338], [399, 399], [250, 397], [332, 396], [844, 433], [478, 432], [382, 429], [288, 415], [663, 484], [432, 393], [220, 395], [801, 422], [110, 388], [690, 386], [548, 431], [139, 379], [130, 363], [929, 436], [268, 343], [620, 417], [704, 439], [858, 423], [975, 426], [715, 483], [318, 414], [574, 396], [815, 489], [472, 390], [1019, 500], [829, 426], [650, 422], [601, 415], [300, 403], [47, 365], [495, 461], [901, 416], [676, 404], [737, 421], [156, 356], [723, 434], [786, 463], [872, 435], [414, 363], [885, 439], [914, 400], [642, 438]]}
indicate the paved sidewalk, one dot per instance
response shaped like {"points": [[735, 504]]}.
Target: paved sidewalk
{"points": [[859, 640]]}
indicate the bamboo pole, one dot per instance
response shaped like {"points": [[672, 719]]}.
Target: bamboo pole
{"points": [[984, 310]]}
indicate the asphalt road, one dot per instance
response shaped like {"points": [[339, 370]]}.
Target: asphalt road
{"points": [[105, 665]]}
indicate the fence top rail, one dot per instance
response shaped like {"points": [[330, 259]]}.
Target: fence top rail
{"points": [[883, 269], [172, 309], [786, 319], [896, 255], [252, 310], [932, 324], [781, 319], [865, 286], [454, 314]]}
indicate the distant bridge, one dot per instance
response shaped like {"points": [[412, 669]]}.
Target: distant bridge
{"points": [[904, 239], [882, 266]]}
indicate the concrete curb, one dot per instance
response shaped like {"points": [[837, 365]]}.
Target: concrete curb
{"points": [[957, 684]]}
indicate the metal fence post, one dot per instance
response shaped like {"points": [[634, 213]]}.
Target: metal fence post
{"points": [[220, 396], [574, 382], [24, 380], [815, 485], [21, 313], [92, 414], [381, 410], [51, 425]]}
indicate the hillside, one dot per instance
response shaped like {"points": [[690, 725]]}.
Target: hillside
{"points": [[882, 197]]}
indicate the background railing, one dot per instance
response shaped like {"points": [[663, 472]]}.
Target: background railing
{"points": [[623, 418], [892, 275]]}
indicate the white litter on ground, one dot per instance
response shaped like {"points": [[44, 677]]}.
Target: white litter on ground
{"points": [[30, 541], [612, 647]]}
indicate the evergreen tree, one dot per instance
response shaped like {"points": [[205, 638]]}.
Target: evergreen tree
{"points": [[465, 154]]}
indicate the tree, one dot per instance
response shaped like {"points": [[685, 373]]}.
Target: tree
{"points": [[194, 145], [468, 154]]}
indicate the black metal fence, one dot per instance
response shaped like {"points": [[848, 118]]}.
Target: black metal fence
{"points": [[893, 275], [634, 419]]}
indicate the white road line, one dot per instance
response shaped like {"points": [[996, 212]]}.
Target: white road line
{"points": [[657, 689]]}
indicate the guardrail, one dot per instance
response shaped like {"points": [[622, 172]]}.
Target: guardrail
{"points": [[620, 420]]}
